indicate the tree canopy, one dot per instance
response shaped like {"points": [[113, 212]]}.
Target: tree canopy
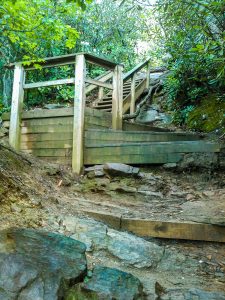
{"points": [[186, 36]]}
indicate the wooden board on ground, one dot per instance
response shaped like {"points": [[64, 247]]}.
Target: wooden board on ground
{"points": [[162, 229]]}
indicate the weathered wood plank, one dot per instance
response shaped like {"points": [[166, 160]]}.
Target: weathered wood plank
{"points": [[16, 107], [79, 112], [162, 229], [105, 77], [109, 136], [50, 152], [98, 158], [117, 99], [156, 147], [132, 91], [63, 144], [174, 230], [99, 83], [41, 137], [48, 83], [47, 128], [69, 59], [59, 112]]}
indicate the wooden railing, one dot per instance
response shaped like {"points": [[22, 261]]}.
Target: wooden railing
{"points": [[80, 80], [133, 75]]}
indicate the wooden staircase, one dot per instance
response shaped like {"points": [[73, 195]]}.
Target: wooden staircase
{"points": [[105, 103], [134, 83]]}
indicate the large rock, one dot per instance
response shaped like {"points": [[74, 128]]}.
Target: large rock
{"points": [[39, 265], [107, 284], [117, 169], [129, 249]]}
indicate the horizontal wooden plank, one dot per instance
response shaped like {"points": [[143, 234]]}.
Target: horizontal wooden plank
{"points": [[53, 136], [161, 229], [58, 112], [63, 144], [105, 77], [130, 73], [155, 147], [93, 158], [174, 230], [47, 121], [50, 152], [109, 136], [47, 128], [68, 59], [48, 83], [99, 83]]}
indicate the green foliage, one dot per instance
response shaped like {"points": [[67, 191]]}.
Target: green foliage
{"points": [[209, 115], [193, 36]]}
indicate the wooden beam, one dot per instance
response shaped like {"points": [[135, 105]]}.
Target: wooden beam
{"points": [[174, 230], [100, 93], [160, 229], [136, 69], [103, 78], [79, 111], [132, 100], [117, 98], [48, 83], [16, 107], [99, 83]]}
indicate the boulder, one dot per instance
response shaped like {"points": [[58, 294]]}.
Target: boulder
{"points": [[117, 169], [107, 284], [39, 265]]}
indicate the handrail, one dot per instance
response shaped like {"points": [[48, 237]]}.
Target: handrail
{"points": [[65, 60], [140, 66], [104, 77]]}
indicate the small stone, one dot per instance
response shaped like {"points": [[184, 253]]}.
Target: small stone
{"points": [[15, 208], [190, 197], [208, 193], [170, 166], [150, 193]]}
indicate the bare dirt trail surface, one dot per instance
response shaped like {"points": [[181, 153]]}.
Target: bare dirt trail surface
{"points": [[35, 194]]}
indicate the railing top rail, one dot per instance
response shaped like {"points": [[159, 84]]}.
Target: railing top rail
{"points": [[67, 59], [129, 74]]}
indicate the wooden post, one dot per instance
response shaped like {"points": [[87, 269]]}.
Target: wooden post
{"points": [[117, 98], [100, 93], [16, 107], [78, 120], [132, 101], [148, 75]]}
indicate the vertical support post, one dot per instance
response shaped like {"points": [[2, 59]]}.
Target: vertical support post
{"points": [[132, 101], [148, 76], [100, 93], [78, 119], [117, 98], [16, 107]]}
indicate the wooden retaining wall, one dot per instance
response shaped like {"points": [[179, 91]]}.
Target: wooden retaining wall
{"points": [[48, 134]]}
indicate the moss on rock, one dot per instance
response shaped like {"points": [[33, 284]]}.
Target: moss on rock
{"points": [[209, 115]]}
